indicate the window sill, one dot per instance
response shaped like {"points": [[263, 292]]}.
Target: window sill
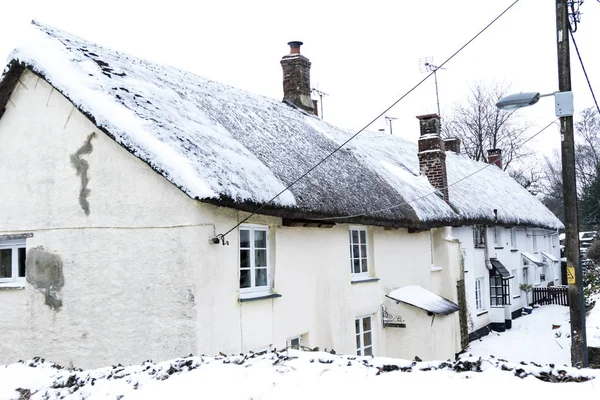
{"points": [[433, 268], [257, 297], [479, 314], [513, 250], [499, 247], [516, 297], [363, 280], [12, 286]]}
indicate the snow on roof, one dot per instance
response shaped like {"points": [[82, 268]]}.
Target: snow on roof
{"points": [[534, 259], [549, 256], [419, 297], [493, 189], [233, 148]]}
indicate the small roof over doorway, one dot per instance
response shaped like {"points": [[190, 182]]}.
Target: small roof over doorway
{"points": [[422, 298]]}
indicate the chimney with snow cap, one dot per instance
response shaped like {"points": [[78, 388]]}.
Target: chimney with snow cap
{"points": [[432, 156], [495, 157], [296, 78]]}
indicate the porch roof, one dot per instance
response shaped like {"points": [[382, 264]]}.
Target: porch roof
{"points": [[549, 256], [534, 259], [500, 268], [422, 298]]}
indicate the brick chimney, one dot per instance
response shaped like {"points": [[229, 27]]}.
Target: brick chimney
{"points": [[452, 144], [495, 157], [296, 78], [432, 156]]}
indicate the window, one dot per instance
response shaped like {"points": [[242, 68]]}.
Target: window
{"points": [[515, 283], [479, 294], [479, 235], [254, 259], [499, 289], [543, 272], [12, 261], [359, 263], [525, 275], [364, 336], [498, 235], [535, 246], [294, 342], [513, 238]]}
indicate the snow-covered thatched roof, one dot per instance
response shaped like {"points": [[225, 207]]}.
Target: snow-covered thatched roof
{"points": [[232, 148]]}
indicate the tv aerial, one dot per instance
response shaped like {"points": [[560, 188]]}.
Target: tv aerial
{"points": [[389, 120], [320, 93], [426, 65]]}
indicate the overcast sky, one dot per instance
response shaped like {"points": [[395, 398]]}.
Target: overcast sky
{"points": [[364, 54]]}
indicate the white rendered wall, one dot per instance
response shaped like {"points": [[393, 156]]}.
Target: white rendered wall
{"points": [[142, 281]]}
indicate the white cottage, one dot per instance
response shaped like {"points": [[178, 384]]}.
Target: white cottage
{"points": [[145, 215]]}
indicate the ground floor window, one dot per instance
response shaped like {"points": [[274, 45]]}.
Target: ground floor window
{"points": [[479, 294], [364, 335], [12, 261], [499, 289], [294, 342]]}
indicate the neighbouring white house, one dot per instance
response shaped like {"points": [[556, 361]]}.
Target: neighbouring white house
{"points": [[145, 215], [514, 240]]}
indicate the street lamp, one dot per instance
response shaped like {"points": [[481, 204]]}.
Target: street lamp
{"points": [[563, 104]]}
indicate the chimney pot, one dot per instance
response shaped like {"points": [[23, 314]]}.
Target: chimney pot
{"points": [[315, 107], [295, 47]]}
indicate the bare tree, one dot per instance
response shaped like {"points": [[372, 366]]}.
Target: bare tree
{"points": [[481, 126]]}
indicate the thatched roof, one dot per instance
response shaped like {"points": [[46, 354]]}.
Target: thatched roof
{"points": [[228, 147]]}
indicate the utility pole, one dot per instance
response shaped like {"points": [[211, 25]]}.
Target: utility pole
{"points": [[390, 120], [574, 270]]}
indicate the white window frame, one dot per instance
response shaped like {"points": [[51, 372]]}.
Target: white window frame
{"points": [[535, 243], [498, 236], [253, 288], [361, 349], [362, 274], [290, 345], [479, 295], [513, 238], [479, 239], [14, 245]]}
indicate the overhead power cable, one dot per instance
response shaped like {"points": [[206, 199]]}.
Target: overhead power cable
{"points": [[584, 71], [432, 192], [221, 237]]}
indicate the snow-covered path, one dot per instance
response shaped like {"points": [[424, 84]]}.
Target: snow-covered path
{"points": [[530, 339]]}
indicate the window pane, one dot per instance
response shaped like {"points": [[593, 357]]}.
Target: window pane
{"points": [[366, 324], [22, 254], [260, 239], [358, 341], [357, 326], [261, 277], [355, 251], [367, 339], [244, 238], [260, 259], [244, 258], [354, 236], [6, 263], [363, 250], [368, 351], [363, 236], [364, 265], [245, 278], [356, 266], [295, 343]]}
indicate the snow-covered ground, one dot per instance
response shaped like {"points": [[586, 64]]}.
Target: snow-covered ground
{"points": [[530, 339], [317, 375]]}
